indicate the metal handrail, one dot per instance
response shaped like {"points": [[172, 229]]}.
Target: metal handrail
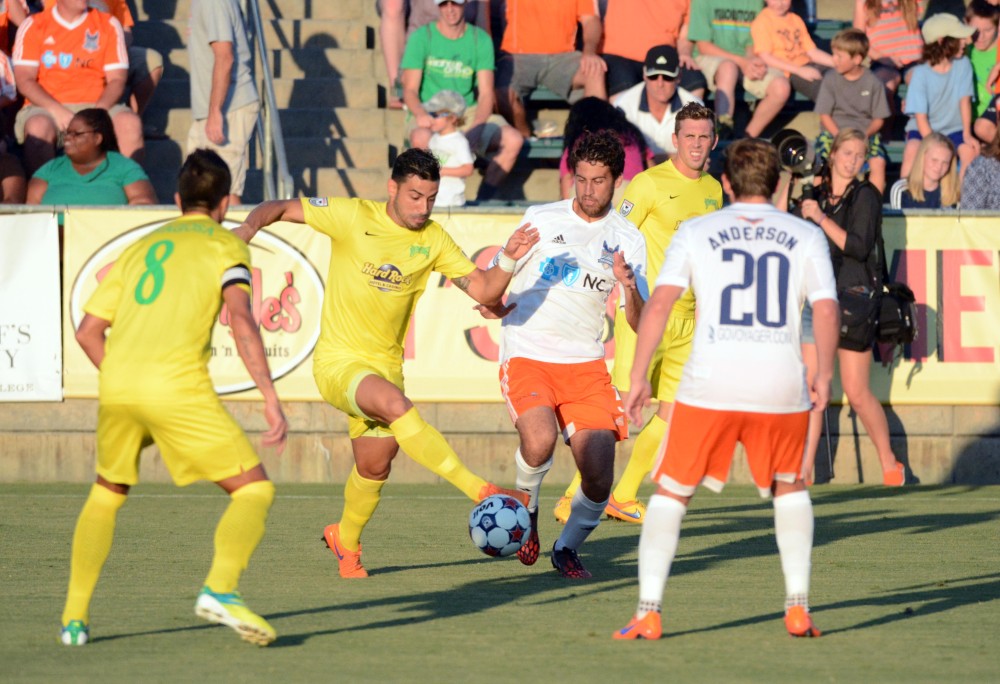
{"points": [[278, 182]]}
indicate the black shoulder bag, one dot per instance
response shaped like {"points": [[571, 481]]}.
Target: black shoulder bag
{"points": [[897, 320]]}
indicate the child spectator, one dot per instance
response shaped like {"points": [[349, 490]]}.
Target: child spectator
{"points": [[893, 32], [933, 181], [937, 85], [851, 96], [594, 114], [781, 39], [984, 17], [981, 187], [446, 109]]}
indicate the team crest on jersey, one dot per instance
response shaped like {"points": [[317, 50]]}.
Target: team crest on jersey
{"points": [[420, 249], [570, 273], [91, 40], [65, 60], [625, 208], [711, 204], [607, 258], [319, 201]]}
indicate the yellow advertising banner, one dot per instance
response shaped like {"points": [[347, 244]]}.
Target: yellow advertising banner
{"points": [[952, 264]]}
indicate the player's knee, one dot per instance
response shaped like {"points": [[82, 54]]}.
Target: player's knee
{"points": [[537, 448], [261, 490]]}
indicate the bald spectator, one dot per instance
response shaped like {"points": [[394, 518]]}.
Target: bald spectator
{"points": [[66, 59], [633, 27], [449, 54], [539, 49]]}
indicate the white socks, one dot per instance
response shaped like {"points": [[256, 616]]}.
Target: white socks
{"points": [[584, 516], [793, 529], [661, 531], [529, 479]]}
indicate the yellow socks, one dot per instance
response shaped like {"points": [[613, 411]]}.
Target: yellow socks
{"points": [[644, 451], [573, 485], [95, 530], [239, 531], [426, 446], [361, 497]]}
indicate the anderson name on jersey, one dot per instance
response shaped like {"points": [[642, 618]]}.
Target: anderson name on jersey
{"points": [[751, 267], [561, 286]]}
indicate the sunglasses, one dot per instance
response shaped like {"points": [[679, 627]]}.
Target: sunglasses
{"points": [[660, 77], [439, 115]]}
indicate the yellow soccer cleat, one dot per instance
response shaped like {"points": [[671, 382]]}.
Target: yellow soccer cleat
{"points": [[626, 511], [229, 610], [562, 509]]}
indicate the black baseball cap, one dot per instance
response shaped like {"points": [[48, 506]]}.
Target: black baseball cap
{"points": [[662, 59]]}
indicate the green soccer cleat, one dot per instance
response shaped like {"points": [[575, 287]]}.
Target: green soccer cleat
{"points": [[75, 633], [229, 610]]}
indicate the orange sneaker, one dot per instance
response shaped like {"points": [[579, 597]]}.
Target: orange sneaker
{"points": [[896, 477], [489, 489], [349, 561], [646, 627], [799, 624], [528, 553]]}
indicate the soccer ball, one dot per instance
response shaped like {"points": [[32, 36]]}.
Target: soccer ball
{"points": [[499, 525]]}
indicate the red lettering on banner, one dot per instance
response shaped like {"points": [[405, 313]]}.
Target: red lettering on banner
{"points": [[271, 313], [952, 303]]}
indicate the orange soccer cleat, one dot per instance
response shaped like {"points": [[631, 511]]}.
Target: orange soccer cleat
{"points": [[489, 489], [349, 561], [646, 627], [799, 624]]}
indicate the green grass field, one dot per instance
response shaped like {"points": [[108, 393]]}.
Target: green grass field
{"points": [[905, 586]]}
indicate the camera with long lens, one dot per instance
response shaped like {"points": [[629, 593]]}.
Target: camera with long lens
{"points": [[793, 151]]}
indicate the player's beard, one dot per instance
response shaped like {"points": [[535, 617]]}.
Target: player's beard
{"points": [[593, 208]]}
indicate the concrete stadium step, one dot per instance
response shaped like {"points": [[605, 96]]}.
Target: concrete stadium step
{"points": [[307, 9], [278, 34], [349, 153], [298, 63], [356, 93], [339, 122]]}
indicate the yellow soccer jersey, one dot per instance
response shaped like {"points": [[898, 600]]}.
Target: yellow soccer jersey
{"points": [[162, 297], [378, 270], [657, 201]]}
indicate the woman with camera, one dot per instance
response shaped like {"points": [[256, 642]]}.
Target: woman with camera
{"points": [[849, 211]]}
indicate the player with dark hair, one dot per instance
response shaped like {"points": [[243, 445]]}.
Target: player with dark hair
{"points": [[162, 297], [656, 201], [383, 253], [752, 266], [552, 369]]}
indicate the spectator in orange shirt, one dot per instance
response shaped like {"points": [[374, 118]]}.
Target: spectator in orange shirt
{"points": [[539, 49], [145, 65], [66, 59], [781, 39]]}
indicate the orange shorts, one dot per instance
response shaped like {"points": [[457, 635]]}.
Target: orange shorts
{"points": [[700, 444], [580, 394]]}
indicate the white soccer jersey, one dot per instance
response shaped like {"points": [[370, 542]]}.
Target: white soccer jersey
{"points": [[561, 286], [751, 267]]}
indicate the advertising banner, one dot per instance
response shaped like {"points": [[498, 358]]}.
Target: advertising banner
{"points": [[30, 338], [952, 264]]}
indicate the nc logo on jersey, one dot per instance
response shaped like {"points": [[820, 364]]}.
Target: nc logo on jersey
{"points": [[65, 60], [91, 40], [385, 278], [49, 59], [570, 273], [607, 258]]}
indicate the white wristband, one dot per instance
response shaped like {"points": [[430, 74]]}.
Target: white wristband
{"points": [[505, 263]]}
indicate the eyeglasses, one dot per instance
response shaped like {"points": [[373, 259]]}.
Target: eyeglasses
{"points": [[660, 77], [70, 135]]}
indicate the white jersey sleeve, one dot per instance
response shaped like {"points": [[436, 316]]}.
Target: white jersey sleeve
{"points": [[751, 267]]}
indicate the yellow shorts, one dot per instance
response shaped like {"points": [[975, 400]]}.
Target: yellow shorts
{"points": [[668, 359], [198, 440], [338, 382]]}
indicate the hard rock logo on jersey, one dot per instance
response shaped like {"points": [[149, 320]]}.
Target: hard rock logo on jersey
{"points": [[385, 278], [607, 258], [91, 41]]}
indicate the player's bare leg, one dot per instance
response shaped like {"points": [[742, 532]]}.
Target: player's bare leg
{"points": [[538, 430]]}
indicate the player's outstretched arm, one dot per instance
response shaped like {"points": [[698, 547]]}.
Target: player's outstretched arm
{"points": [[266, 213], [630, 288], [487, 287], [251, 350], [826, 329], [651, 325], [91, 337]]}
